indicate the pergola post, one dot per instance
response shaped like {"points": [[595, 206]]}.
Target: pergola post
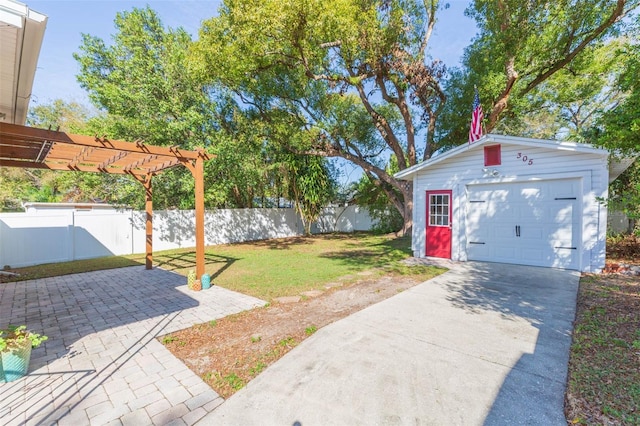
{"points": [[198, 175], [148, 206]]}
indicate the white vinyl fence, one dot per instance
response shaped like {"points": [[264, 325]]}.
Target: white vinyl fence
{"points": [[58, 235], [619, 223]]}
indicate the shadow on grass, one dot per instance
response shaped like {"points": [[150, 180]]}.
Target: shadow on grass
{"points": [[187, 260], [67, 268], [357, 252], [373, 255], [292, 242], [283, 243]]}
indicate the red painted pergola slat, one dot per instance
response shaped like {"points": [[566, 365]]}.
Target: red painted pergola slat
{"points": [[29, 147]]}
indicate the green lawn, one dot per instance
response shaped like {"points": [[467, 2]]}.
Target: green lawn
{"points": [[270, 268]]}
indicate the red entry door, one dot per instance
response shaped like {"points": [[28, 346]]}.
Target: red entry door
{"points": [[438, 239]]}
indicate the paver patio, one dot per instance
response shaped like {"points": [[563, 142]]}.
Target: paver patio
{"points": [[102, 363]]}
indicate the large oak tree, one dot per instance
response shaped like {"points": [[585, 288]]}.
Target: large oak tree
{"points": [[356, 76]]}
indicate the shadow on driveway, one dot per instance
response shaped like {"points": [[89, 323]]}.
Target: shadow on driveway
{"points": [[533, 391]]}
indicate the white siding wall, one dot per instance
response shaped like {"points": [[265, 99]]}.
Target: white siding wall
{"points": [[465, 168]]}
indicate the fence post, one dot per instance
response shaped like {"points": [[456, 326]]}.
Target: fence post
{"points": [[71, 248]]}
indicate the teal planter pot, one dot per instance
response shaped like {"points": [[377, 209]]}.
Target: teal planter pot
{"points": [[15, 362], [206, 281], [16, 343]]}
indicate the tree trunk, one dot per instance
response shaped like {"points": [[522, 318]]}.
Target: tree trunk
{"points": [[405, 207], [408, 216], [408, 210], [501, 103]]}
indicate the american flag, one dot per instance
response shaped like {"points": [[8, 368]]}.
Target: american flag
{"points": [[475, 132]]}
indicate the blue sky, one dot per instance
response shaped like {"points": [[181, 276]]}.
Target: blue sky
{"points": [[68, 19], [56, 74]]}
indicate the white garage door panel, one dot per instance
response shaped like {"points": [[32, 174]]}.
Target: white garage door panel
{"points": [[532, 223]]}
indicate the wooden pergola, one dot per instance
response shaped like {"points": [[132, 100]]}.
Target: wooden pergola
{"points": [[28, 147]]}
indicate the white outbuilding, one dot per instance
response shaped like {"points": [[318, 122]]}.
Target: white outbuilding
{"points": [[514, 200]]}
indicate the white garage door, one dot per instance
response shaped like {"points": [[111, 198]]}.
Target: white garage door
{"points": [[533, 223]]}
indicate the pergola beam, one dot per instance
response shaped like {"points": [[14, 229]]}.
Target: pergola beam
{"points": [[65, 166], [119, 156], [81, 156], [23, 164], [139, 163], [23, 133]]}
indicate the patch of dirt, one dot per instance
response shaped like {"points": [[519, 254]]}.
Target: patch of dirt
{"points": [[229, 352]]}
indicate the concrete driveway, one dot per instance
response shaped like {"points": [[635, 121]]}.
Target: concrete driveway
{"points": [[481, 344]]}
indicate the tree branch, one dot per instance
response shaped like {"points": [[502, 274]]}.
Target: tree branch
{"points": [[501, 103], [431, 21], [617, 14], [381, 123], [334, 150]]}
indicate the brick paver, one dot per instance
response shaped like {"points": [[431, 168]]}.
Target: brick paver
{"points": [[102, 363]]}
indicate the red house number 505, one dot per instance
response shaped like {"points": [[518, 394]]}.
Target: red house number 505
{"points": [[525, 159]]}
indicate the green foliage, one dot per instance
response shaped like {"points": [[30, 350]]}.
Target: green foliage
{"points": [[65, 116], [141, 81], [17, 186], [310, 330], [618, 130], [249, 168], [337, 78], [310, 185], [231, 380], [22, 185], [169, 339], [141, 84], [258, 368], [146, 86], [287, 342], [371, 194], [14, 337], [539, 66], [619, 127], [624, 192]]}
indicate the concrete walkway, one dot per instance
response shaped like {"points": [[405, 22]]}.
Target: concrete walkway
{"points": [[102, 364], [481, 344]]}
